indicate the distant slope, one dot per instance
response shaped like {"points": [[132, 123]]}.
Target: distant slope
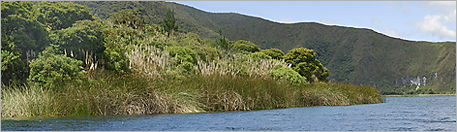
{"points": [[352, 55]]}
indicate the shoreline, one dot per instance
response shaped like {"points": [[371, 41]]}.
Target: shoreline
{"points": [[418, 95]]}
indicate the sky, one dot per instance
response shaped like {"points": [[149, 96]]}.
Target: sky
{"points": [[433, 21]]}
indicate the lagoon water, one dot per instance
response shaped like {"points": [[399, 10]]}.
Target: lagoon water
{"points": [[396, 114]]}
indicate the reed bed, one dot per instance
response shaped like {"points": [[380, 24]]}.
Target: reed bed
{"points": [[134, 95]]}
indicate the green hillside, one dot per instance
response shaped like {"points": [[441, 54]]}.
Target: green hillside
{"points": [[353, 55]]}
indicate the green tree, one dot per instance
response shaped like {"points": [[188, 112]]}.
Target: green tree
{"points": [[21, 33], [128, 17], [83, 37], [304, 61], [51, 69], [169, 22], [12, 68], [274, 53], [223, 42], [243, 45], [60, 15]]}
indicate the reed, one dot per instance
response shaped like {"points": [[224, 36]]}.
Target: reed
{"points": [[26, 101], [132, 95]]}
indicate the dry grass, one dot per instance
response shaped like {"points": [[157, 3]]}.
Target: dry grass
{"points": [[26, 101], [148, 60], [133, 95]]}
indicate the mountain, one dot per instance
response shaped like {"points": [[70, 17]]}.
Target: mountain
{"points": [[352, 55]]}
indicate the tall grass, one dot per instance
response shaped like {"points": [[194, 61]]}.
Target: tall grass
{"points": [[238, 93], [132, 95], [26, 101]]}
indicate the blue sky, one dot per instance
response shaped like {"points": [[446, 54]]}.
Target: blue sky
{"points": [[433, 21]]}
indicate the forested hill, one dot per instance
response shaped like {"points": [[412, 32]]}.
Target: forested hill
{"points": [[352, 55]]}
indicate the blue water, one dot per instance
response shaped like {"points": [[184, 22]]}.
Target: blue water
{"points": [[396, 114]]}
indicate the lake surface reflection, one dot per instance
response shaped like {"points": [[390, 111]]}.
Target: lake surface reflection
{"points": [[397, 114]]}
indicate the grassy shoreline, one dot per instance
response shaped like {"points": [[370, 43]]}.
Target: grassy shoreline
{"points": [[205, 93], [418, 95]]}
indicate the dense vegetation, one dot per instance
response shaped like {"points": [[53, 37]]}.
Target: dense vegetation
{"points": [[351, 55], [58, 59]]}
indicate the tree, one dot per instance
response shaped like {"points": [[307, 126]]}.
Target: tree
{"points": [[222, 40], [21, 33], [59, 15], [51, 69], [274, 53], [169, 22], [83, 38], [128, 17], [12, 68], [304, 61]]}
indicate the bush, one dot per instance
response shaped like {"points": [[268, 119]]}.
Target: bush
{"points": [[287, 73], [304, 62], [183, 54], [259, 55], [52, 69], [243, 45], [274, 53]]}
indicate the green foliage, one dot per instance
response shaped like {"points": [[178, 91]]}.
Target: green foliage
{"points": [[243, 45], [210, 53], [84, 36], [21, 35], [259, 55], [223, 42], [288, 74], [182, 54], [20, 27], [274, 53], [51, 69], [12, 68], [304, 61], [117, 39], [61, 15], [169, 22], [128, 17]]}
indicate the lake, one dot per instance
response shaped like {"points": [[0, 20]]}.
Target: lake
{"points": [[396, 114]]}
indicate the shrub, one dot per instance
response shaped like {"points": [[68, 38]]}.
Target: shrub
{"points": [[49, 69], [259, 55], [182, 54], [287, 73], [243, 45], [304, 62], [274, 53]]}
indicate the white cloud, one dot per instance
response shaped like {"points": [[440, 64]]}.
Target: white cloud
{"points": [[400, 6], [285, 20], [431, 24], [446, 9], [327, 21], [391, 32], [437, 23], [446, 5], [375, 21]]}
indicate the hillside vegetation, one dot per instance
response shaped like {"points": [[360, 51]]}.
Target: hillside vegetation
{"points": [[60, 60], [352, 55]]}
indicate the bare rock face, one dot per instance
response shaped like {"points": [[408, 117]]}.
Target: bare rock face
{"points": [[416, 80]]}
